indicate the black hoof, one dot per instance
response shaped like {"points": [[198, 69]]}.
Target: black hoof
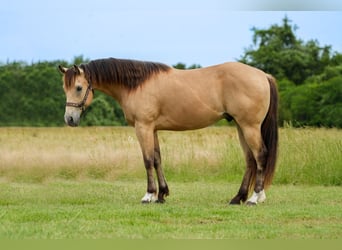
{"points": [[160, 201], [249, 203], [235, 201], [145, 202]]}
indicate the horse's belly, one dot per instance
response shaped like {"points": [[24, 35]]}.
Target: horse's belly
{"points": [[186, 119]]}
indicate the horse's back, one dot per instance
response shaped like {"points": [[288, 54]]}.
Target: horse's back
{"points": [[189, 99], [235, 88], [226, 85], [227, 75]]}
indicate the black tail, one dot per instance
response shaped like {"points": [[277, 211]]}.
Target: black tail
{"points": [[269, 132]]}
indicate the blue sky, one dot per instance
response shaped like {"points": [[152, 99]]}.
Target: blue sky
{"points": [[193, 31]]}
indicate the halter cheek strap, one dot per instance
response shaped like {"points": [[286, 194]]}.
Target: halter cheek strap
{"points": [[81, 104]]}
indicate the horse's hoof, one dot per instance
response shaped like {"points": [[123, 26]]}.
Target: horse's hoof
{"points": [[148, 198], [250, 203], [234, 203], [160, 201]]}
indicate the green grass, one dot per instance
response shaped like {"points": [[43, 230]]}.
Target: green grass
{"points": [[99, 209], [310, 156], [306, 156], [60, 183]]}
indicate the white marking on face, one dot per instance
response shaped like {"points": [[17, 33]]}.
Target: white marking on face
{"points": [[72, 116]]}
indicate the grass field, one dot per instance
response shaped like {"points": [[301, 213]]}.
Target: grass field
{"points": [[60, 183], [36, 155], [98, 210]]}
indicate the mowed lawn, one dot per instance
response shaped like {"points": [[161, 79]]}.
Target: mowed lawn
{"points": [[86, 183], [195, 210]]}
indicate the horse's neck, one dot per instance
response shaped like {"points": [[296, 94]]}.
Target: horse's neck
{"points": [[116, 91]]}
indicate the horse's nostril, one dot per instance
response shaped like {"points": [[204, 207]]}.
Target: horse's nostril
{"points": [[70, 119]]}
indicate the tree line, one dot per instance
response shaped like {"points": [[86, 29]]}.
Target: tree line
{"points": [[309, 75], [309, 79]]}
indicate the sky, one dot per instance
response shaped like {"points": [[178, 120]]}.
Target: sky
{"points": [[169, 31]]}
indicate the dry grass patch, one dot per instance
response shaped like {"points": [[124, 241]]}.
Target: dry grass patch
{"points": [[306, 156]]}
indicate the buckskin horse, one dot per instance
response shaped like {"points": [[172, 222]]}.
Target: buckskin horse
{"points": [[154, 96]]}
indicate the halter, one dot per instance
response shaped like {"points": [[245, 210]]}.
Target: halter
{"points": [[81, 104]]}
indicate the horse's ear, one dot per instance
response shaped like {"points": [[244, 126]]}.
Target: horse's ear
{"points": [[62, 69], [77, 69]]}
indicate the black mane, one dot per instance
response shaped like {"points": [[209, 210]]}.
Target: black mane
{"points": [[128, 73]]}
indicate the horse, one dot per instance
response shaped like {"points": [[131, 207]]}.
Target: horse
{"points": [[155, 96]]}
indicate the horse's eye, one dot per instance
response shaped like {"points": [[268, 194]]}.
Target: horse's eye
{"points": [[79, 88]]}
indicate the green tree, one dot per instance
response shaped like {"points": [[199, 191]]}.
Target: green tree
{"points": [[183, 66], [32, 95], [309, 75], [79, 60], [278, 51], [103, 112], [314, 104]]}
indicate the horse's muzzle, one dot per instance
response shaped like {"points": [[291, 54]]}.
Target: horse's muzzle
{"points": [[71, 121]]}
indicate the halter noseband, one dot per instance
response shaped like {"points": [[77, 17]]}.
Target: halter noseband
{"points": [[81, 104]]}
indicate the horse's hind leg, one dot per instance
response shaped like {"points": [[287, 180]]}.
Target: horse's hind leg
{"points": [[254, 140], [250, 168], [163, 188]]}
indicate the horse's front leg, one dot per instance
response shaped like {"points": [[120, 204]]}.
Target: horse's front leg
{"points": [[146, 140], [163, 188]]}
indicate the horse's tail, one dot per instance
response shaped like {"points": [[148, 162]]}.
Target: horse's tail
{"points": [[269, 132]]}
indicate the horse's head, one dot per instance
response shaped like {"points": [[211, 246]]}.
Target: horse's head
{"points": [[79, 93]]}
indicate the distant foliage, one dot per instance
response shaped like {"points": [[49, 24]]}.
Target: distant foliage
{"points": [[309, 75], [183, 66], [32, 95], [279, 52], [309, 79], [104, 111]]}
